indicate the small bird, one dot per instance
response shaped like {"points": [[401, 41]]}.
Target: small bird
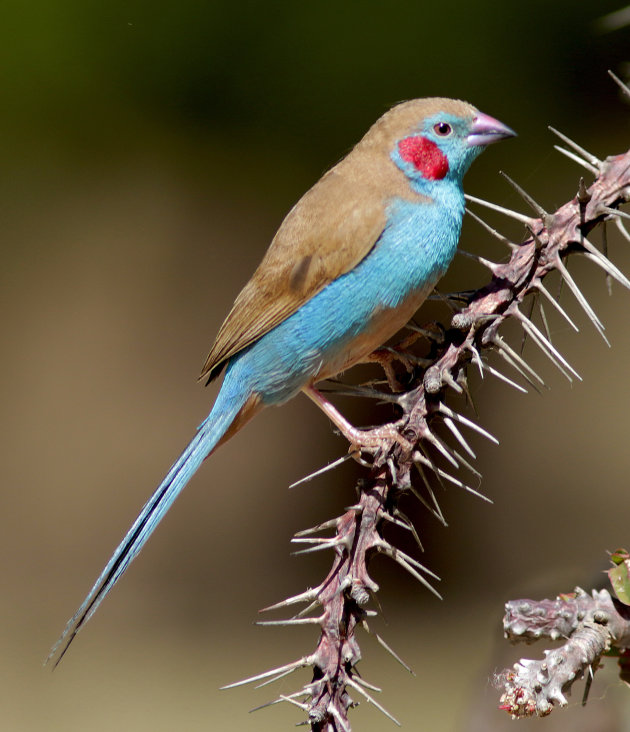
{"points": [[349, 266]]}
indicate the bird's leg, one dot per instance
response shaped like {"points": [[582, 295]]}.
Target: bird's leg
{"points": [[359, 440], [385, 357]]}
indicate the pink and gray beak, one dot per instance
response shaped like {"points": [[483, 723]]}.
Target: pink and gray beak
{"points": [[485, 130]]}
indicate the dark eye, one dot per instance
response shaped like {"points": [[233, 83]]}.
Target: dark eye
{"points": [[443, 129]]}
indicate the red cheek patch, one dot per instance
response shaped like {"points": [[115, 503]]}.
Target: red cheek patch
{"points": [[425, 156]]}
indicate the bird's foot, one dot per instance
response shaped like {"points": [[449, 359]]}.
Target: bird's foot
{"points": [[361, 441], [374, 439], [385, 358]]}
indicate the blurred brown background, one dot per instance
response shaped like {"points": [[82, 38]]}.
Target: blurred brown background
{"points": [[148, 153]]}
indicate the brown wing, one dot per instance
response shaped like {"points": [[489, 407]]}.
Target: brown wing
{"points": [[327, 233]]}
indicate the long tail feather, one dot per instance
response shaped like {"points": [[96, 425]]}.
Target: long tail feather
{"points": [[209, 434]]}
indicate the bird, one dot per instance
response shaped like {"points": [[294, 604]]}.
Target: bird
{"points": [[348, 267]]}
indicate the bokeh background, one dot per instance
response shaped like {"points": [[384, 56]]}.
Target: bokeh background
{"points": [[148, 153]]}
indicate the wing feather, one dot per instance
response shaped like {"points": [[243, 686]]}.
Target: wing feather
{"points": [[326, 234]]}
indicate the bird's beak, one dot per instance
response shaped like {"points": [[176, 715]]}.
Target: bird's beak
{"points": [[485, 130]]}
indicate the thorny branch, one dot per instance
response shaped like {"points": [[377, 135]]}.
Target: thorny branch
{"points": [[338, 604], [592, 625]]}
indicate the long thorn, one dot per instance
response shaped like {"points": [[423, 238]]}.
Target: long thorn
{"points": [[605, 263], [504, 378], [406, 521], [365, 684], [459, 437], [624, 88], [393, 520], [291, 621], [439, 445], [311, 540], [527, 220], [494, 232], [543, 317], [532, 303], [476, 358], [423, 456], [580, 298], [605, 254], [307, 609], [394, 654], [332, 524], [351, 682], [450, 381], [301, 705], [542, 214], [578, 149], [462, 380], [301, 663], [465, 487], [546, 346], [552, 300], [447, 476], [467, 465], [391, 551], [417, 575], [506, 349], [435, 510], [516, 366], [273, 679], [615, 212], [622, 229], [577, 159], [452, 452], [309, 594], [469, 423], [321, 471], [407, 526], [480, 260], [541, 343], [331, 544], [279, 700]]}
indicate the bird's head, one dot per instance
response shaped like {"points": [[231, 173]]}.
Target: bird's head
{"points": [[434, 139]]}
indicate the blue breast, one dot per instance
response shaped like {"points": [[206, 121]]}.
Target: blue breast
{"points": [[413, 252]]}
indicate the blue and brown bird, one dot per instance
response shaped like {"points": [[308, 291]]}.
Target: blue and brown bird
{"points": [[349, 266]]}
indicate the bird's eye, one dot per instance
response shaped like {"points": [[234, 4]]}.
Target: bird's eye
{"points": [[443, 129]]}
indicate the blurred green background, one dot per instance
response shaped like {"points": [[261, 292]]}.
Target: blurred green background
{"points": [[148, 153]]}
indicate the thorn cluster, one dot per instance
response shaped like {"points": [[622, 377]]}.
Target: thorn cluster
{"points": [[421, 458]]}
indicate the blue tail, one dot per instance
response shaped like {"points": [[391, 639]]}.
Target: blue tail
{"points": [[209, 434]]}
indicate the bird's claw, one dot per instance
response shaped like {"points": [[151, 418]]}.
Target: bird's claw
{"points": [[379, 438]]}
